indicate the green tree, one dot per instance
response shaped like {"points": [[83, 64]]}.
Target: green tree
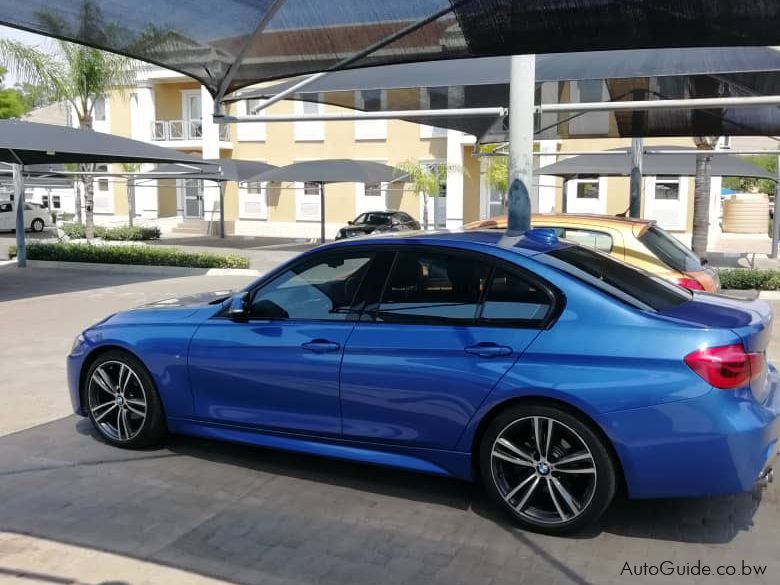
{"points": [[768, 162], [426, 179], [77, 75], [12, 103]]}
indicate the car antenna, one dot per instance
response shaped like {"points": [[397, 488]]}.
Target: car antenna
{"points": [[518, 214]]}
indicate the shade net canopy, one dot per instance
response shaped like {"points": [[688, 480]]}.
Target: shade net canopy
{"points": [[653, 164], [31, 143], [568, 78], [233, 43], [333, 171], [221, 169]]}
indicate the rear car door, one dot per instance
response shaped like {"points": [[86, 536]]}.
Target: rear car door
{"points": [[7, 216], [440, 332], [280, 369]]}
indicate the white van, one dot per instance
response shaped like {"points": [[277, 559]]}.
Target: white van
{"points": [[35, 218]]}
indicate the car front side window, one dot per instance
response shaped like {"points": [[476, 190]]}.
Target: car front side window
{"points": [[315, 290]]}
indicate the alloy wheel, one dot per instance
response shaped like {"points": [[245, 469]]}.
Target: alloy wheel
{"points": [[117, 400], [543, 470]]}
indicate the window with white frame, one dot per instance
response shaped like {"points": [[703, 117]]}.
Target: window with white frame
{"points": [[433, 98], [588, 188], [253, 201], [370, 100], [667, 189], [103, 201], [307, 201], [99, 110], [250, 131], [56, 202], [45, 201], [308, 131]]}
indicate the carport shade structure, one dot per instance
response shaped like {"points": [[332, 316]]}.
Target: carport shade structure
{"points": [[28, 143], [219, 170], [618, 163], [624, 75], [332, 171]]}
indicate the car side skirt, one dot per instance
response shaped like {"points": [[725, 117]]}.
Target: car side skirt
{"points": [[453, 464]]}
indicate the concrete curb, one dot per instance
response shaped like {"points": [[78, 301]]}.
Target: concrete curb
{"points": [[769, 295], [141, 269]]}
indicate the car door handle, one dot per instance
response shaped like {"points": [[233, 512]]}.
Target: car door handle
{"points": [[488, 349], [321, 346]]}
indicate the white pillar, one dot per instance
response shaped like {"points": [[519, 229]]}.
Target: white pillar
{"points": [[521, 138], [548, 185], [454, 179], [142, 117], [210, 138]]}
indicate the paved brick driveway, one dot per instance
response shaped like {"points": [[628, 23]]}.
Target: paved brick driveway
{"points": [[256, 516]]}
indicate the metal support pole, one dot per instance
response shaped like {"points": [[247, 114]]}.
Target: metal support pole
{"points": [[635, 197], [21, 253], [322, 213], [776, 218], [222, 209], [522, 87]]}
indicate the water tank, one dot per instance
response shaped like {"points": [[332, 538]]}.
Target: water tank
{"points": [[746, 213]]}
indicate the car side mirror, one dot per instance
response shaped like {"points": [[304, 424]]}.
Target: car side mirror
{"points": [[239, 307], [350, 222]]}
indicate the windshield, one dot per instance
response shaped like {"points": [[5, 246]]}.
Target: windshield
{"points": [[631, 285], [670, 250], [372, 219]]}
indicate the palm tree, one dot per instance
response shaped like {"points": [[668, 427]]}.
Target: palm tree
{"points": [[427, 179], [130, 168], [701, 194], [75, 74], [497, 170]]}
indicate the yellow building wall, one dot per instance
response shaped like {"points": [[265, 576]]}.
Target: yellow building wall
{"points": [[471, 186], [167, 99], [167, 197]]}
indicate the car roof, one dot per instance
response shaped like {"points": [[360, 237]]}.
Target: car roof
{"points": [[528, 244], [593, 218]]}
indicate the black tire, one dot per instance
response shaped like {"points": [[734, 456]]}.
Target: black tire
{"points": [[134, 431], [589, 491], [37, 225]]}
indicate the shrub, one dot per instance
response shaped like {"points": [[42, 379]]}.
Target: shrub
{"points": [[143, 255], [750, 278], [120, 233]]}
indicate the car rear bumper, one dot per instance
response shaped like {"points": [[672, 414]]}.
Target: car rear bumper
{"points": [[719, 443]]}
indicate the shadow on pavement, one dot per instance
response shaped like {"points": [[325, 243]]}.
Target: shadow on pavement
{"points": [[22, 283]]}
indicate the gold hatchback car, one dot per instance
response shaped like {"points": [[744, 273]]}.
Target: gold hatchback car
{"points": [[638, 242]]}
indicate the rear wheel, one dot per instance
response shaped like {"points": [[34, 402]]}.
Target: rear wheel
{"points": [[122, 401], [546, 468], [37, 225]]}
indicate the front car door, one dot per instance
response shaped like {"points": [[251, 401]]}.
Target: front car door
{"points": [[280, 370], [438, 336]]}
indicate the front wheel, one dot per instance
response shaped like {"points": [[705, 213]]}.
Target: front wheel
{"points": [[546, 468], [37, 225], [122, 401]]}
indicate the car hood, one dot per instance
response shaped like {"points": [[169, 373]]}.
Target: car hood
{"points": [[172, 309], [362, 229], [194, 300]]}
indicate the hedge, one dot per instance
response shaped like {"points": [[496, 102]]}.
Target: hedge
{"points": [[123, 233], [143, 255], [750, 279]]}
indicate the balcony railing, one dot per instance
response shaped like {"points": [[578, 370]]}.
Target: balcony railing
{"points": [[184, 130]]}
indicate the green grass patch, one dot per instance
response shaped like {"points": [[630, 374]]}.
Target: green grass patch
{"points": [[119, 233], [749, 279], [135, 255]]}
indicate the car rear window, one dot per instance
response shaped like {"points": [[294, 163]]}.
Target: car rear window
{"points": [[631, 285], [670, 250]]}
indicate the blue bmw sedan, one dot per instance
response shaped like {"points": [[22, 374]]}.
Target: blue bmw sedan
{"points": [[554, 374]]}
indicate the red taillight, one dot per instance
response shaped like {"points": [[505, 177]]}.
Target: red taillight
{"points": [[726, 367], [689, 283]]}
